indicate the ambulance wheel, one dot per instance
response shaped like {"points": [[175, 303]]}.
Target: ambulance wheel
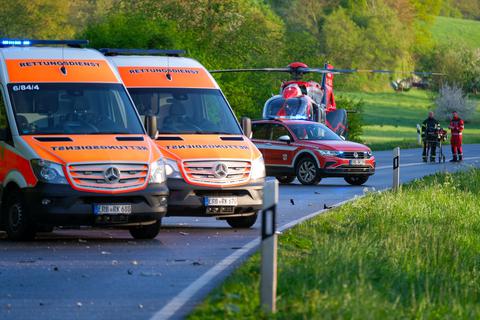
{"points": [[286, 179], [356, 180], [18, 221], [307, 171], [146, 232], [242, 222]]}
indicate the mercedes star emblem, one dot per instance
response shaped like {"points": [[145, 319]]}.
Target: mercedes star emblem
{"points": [[112, 175], [355, 154], [220, 170]]}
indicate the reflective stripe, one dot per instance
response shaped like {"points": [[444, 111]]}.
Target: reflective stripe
{"points": [[275, 147]]}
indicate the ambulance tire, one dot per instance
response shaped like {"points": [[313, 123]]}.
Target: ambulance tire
{"points": [[18, 221], [356, 180], [242, 222], [147, 232], [307, 171], [286, 179]]}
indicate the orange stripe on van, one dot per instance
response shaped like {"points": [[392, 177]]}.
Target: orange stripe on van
{"points": [[48, 70], [135, 77]]}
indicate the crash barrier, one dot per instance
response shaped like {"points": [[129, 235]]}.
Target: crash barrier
{"points": [[268, 275], [396, 168]]}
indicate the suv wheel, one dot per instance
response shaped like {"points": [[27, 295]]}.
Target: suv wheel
{"points": [[242, 222], [146, 232], [285, 179], [356, 180], [307, 171]]}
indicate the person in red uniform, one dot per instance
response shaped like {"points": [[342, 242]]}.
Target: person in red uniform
{"points": [[456, 128]]}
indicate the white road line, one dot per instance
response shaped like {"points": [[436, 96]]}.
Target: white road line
{"points": [[186, 294], [420, 163]]}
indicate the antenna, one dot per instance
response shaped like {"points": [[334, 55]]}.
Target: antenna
{"points": [[63, 70]]}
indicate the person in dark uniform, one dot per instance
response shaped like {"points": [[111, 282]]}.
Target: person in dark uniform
{"points": [[430, 128]]}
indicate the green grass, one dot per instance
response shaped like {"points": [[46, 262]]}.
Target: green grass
{"points": [[451, 30], [411, 254], [391, 117]]}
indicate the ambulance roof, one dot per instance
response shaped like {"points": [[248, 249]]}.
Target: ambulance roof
{"points": [[29, 64], [162, 72]]}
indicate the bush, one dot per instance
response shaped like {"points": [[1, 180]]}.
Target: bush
{"points": [[452, 98], [355, 117]]}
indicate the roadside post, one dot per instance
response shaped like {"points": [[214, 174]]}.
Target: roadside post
{"points": [[396, 168], [268, 271]]}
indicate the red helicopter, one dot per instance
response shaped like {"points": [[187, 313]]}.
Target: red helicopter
{"points": [[304, 100], [309, 100]]}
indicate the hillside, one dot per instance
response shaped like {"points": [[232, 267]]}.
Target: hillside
{"points": [[451, 30]]}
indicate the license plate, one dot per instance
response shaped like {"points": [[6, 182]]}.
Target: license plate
{"points": [[357, 162], [221, 201], [112, 209]]}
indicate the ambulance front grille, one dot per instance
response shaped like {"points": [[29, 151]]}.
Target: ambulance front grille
{"points": [[108, 176], [217, 172]]}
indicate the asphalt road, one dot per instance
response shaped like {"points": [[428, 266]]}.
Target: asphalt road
{"points": [[98, 274]]}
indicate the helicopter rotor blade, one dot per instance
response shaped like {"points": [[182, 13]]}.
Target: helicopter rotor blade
{"points": [[323, 70], [253, 70], [420, 73]]}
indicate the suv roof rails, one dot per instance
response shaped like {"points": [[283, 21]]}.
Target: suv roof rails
{"points": [[4, 42], [142, 52]]}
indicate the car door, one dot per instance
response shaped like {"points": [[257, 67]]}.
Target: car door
{"points": [[281, 152]]}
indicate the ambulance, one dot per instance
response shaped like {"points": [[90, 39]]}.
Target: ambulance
{"points": [[73, 150], [212, 167]]}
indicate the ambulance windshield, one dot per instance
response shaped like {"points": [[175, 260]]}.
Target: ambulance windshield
{"points": [[67, 108], [186, 111]]}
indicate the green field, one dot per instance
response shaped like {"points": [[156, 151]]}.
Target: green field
{"points": [[407, 255], [391, 117], [451, 30]]}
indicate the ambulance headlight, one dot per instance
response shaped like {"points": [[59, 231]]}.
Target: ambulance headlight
{"points": [[48, 172], [258, 169], [171, 169], [157, 172]]}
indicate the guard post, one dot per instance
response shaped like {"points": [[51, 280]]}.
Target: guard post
{"points": [[268, 271], [396, 168]]}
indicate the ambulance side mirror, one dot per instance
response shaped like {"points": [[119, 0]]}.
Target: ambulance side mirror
{"points": [[247, 127], [151, 126]]}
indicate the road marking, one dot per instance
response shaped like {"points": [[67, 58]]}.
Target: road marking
{"points": [[186, 294], [420, 163]]}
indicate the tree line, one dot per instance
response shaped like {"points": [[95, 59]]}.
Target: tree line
{"points": [[380, 34]]}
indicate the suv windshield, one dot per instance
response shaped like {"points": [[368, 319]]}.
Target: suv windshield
{"points": [[186, 111], [313, 131], [67, 108]]}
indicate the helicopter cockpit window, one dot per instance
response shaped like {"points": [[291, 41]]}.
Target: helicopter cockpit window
{"points": [[293, 108]]}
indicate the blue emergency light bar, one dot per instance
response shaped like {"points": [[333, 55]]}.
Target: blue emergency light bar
{"points": [[32, 42], [142, 52]]}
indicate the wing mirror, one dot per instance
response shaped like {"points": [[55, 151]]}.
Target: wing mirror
{"points": [[285, 138], [247, 127], [151, 126], [342, 137]]}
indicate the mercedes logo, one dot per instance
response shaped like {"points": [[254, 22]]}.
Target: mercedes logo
{"points": [[355, 154], [220, 170], [112, 175]]}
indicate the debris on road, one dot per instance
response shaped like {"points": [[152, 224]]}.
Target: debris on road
{"points": [[292, 202]]}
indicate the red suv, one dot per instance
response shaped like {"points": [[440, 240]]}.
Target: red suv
{"points": [[310, 151]]}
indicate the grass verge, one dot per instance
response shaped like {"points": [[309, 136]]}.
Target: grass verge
{"points": [[411, 254], [391, 117]]}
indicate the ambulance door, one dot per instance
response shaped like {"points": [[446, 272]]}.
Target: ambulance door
{"points": [[5, 138]]}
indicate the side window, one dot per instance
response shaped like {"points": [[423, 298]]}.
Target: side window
{"points": [[261, 131], [279, 130], [3, 112]]}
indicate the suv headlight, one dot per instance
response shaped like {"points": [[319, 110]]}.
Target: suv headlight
{"points": [[257, 170], [171, 169], [48, 172], [329, 153], [157, 172]]}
